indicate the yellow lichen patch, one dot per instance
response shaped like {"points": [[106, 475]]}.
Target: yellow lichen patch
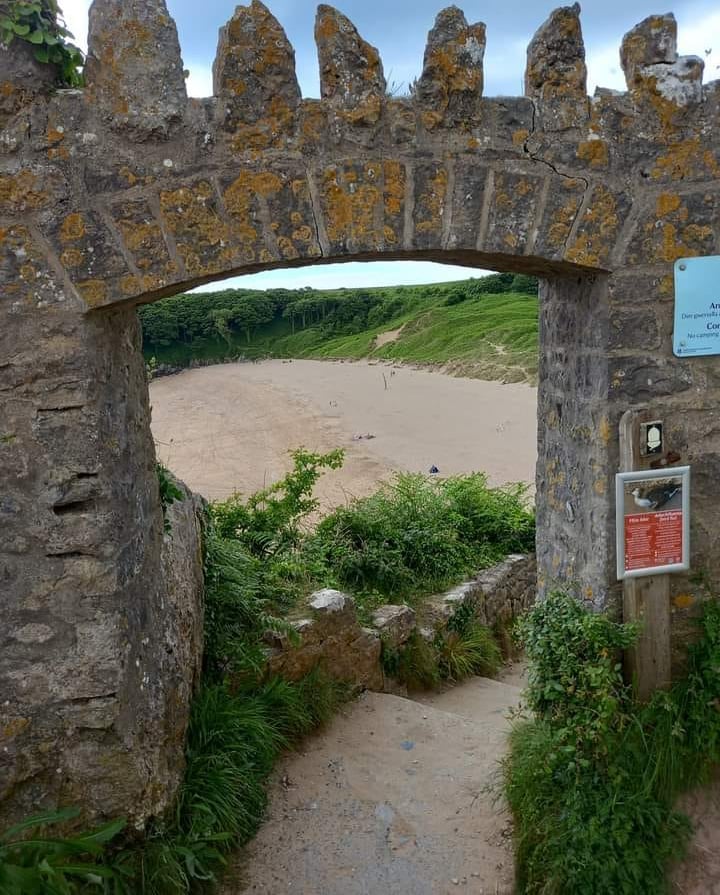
{"points": [[431, 120], [93, 292], [683, 601], [72, 258], [667, 285], [604, 430], [202, 237], [600, 487], [130, 285], [595, 152], [394, 196], [14, 728], [73, 228], [431, 203], [351, 205], [287, 248], [239, 199], [596, 235], [686, 159], [326, 28], [667, 203], [19, 192], [55, 135], [519, 137]]}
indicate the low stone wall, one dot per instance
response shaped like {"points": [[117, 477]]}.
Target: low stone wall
{"points": [[331, 633]]}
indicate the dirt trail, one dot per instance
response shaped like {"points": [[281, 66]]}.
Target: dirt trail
{"points": [[230, 426], [396, 796]]}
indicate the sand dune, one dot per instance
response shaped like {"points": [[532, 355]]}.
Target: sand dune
{"points": [[230, 427]]}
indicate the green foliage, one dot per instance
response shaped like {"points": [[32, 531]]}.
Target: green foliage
{"points": [[593, 778], [169, 491], [235, 737], [32, 863], [268, 522], [575, 676], [40, 24], [256, 564], [488, 327], [467, 647], [416, 535], [415, 664]]}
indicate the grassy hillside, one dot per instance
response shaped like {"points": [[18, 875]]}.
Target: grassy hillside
{"points": [[486, 328]]}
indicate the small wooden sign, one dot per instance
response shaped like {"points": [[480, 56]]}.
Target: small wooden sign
{"points": [[653, 522]]}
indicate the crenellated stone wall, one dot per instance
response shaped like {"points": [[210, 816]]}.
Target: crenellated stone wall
{"points": [[127, 191]]}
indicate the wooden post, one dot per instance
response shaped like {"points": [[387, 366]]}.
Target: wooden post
{"points": [[647, 600]]}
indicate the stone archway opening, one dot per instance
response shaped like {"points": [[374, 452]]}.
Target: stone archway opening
{"points": [[227, 429], [127, 191]]}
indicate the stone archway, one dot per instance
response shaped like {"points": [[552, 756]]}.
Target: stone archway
{"points": [[127, 191]]}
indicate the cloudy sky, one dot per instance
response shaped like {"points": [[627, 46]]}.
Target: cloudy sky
{"points": [[399, 29]]}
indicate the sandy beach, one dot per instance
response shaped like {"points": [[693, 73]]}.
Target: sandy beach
{"points": [[230, 427]]}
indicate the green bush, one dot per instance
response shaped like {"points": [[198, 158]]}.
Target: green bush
{"points": [[593, 777], [416, 535]]}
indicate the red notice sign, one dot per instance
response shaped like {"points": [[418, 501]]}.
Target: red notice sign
{"points": [[653, 522], [653, 540]]}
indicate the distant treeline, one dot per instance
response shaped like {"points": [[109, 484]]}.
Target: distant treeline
{"points": [[231, 317]]}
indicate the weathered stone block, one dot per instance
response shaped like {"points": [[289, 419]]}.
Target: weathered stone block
{"points": [[451, 84], [395, 623], [254, 79]]}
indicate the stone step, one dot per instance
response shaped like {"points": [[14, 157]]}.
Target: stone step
{"points": [[393, 796], [477, 699]]}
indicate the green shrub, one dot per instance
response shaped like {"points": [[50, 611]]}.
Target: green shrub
{"points": [[473, 650], [416, 534], [33, 863], [593, 777]]}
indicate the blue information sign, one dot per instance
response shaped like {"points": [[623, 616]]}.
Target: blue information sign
{"points": [[697, 306]]}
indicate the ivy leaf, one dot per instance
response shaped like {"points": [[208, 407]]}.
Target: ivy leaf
{"points": [[37, 37], [42, 54], [20, 30]]}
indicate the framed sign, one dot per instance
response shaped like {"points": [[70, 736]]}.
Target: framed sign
{"points": [[697, 307], [653, 522]]}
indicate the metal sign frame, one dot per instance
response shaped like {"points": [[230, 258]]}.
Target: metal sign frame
{"points": [[650, 475]]}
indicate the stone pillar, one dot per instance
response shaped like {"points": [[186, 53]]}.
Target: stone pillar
{"points": [[94, 682], [577, 441]]}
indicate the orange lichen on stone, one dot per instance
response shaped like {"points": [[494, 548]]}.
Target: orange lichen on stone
{"points": [[202, 237], [598, 230], [394, 181], [21, 192], [687, 158], [73, 228], [93, 292], [432, 203], [667, 203], [595, 152], [672, 231], [519, 137]]}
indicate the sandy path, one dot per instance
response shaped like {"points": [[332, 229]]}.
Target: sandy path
{"points": [[392, 798], [229, 427]]}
